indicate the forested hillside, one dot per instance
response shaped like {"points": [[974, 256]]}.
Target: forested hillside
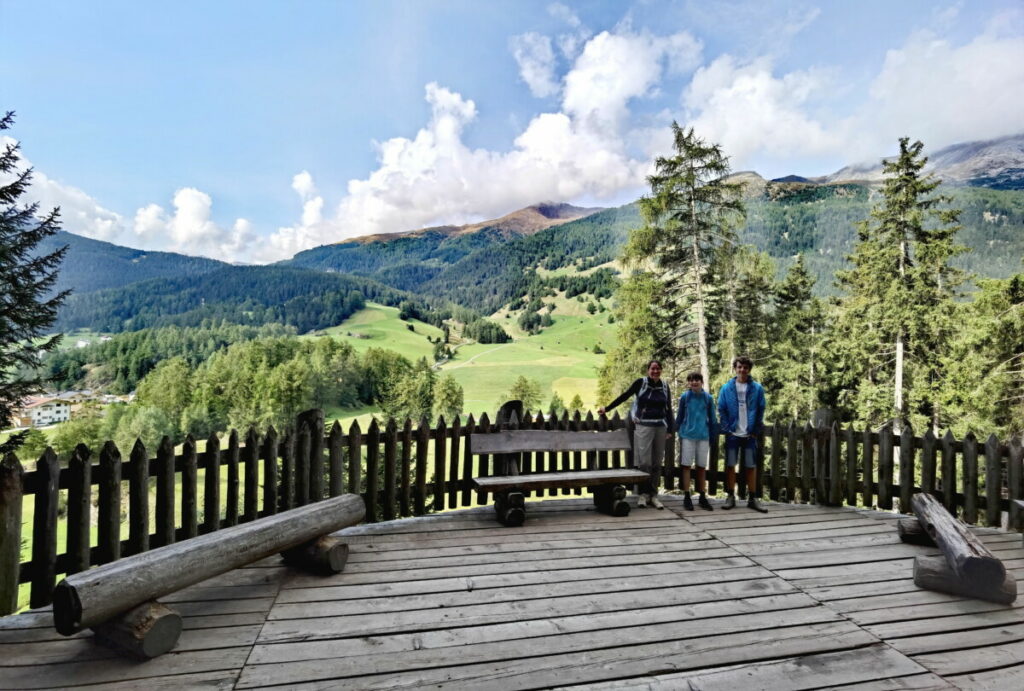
{"points": [[94, 265]]}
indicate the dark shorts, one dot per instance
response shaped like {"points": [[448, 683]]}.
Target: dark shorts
{"points": [[733, 447]]}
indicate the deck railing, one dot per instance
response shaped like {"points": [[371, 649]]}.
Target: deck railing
{"points": [[406, 470]]}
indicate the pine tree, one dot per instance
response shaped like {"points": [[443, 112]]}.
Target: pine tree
{"points": [[895, 321], [26, 306], [794, 371], [689, 220], [448, 398]]}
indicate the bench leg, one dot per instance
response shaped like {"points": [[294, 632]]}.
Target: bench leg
{"points": [[611, 499], [510, 506]]}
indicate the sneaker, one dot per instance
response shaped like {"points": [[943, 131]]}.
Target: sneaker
{"points": [[688, 503], [753, 503], [656, 503], [641, 501], [730, 502], [702, 502]]}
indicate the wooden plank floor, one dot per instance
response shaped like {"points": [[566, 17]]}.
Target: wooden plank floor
{"points": [[804, 597]]}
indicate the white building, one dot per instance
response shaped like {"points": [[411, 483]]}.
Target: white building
{"points": [[47, 411]]}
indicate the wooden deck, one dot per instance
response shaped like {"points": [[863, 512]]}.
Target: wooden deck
{"points": [[801, 598]]}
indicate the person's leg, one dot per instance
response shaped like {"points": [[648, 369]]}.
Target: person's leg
{"points": [[687, 451], [643, 441], [750, 461], [732, 457], [657, 461], [703, 455]]}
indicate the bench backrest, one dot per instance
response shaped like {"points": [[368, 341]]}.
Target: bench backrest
{"points": [[527, 440]]}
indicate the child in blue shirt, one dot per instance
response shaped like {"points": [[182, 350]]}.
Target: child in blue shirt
{"points": [[697, 426]]}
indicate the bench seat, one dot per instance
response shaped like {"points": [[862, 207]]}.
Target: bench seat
{"points": [[575, 478]]}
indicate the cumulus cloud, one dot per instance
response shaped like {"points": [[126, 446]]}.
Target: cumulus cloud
{"points": [[569, 42], [536, 60]]}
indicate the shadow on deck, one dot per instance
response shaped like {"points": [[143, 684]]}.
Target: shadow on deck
{"points": [[803, 597]]}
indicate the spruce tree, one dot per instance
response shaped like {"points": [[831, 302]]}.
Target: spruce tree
{"points": [[895, 321], [689, 221], [794, 371], [27, 305]]}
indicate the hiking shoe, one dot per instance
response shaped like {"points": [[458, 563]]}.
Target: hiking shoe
{"points": [[688, 503], [656, 503], [641, 501], [730, 502], [753, 503], [703, 503]]}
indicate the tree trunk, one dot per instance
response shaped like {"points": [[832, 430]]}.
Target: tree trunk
{"points": [[898, 393], [702, 337]]}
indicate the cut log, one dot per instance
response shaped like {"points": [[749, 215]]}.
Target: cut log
{"points": [[92, 597], [912, 532], [934, 573], [969, 559], [327, 554], [146, 631]]}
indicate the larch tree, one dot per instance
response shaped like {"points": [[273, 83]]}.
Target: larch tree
{"points": [[27, 305], [689, 221], [896, 318]]}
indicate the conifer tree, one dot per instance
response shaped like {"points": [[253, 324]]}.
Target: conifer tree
{"points": [[896, 318], [689, 220], [794, 370], [27, 308]]}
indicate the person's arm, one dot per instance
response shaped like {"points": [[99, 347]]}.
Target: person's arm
{"points": [[722, 408], [680, 412], [761, 405], [712, 420], [668, 409], [633, 389]]}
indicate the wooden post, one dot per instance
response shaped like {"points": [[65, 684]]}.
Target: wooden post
{"points": [[759, 463], [483, 460], [970, 456], [806, 463], [405, 484], [1015, 477], [821, 454], [270, 475], [231, 459], [885, 463], [792, 460], [906, 468], [146, 631], [851, 466], [602, 457], [93, 597], [565, 458], [453, 464], [422, 449], [928, 449], [355, 458], [109, 528], [189, 488], [390, 463], [835, 478], [44, 529], [314, 418], [949, 483], [79, 509], [251, 462], [588, 424], [776, 463], [287, 491], [164, 493], [372, 470], [336, 459], [577, 456], [11, 483], [867, 453], [466, 499], [138, 499], [303, 444], [211, 488], [439, 458], [993, 482]]}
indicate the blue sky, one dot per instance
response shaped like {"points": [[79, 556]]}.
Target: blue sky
{"points": [[250, 130]]}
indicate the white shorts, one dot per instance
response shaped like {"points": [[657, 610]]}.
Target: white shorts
{"points": [[694, 450]]}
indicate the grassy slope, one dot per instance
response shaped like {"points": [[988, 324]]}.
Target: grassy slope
{"points": [[380, 327]]}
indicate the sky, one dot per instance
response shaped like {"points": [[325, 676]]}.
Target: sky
{"points": [[249, 131]]}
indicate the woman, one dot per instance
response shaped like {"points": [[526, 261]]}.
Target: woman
{"points": [[652, 415]]}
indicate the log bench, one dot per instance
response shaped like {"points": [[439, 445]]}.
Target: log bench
{"points": [[509, 486]]}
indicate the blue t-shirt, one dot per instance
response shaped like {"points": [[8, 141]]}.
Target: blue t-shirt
{"points": [[693, 414]]}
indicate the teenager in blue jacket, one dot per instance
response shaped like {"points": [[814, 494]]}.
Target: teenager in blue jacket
{"points": [[696, 425], [741, 405]]}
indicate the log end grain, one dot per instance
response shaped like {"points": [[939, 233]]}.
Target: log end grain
{"points": [[912, 532], [327, 555], [67, 609], [144, 632], [933, 573]]}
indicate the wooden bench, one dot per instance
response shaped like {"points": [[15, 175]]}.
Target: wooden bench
{"points": [[508, 487]]}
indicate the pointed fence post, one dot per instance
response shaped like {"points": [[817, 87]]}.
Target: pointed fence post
{"points": [[851, 466], [906, 468], [466, 499], [11, 493], [776, 463], [928, 449], [44, 528], [835, 478], [314, 419], [440, 444], [251, 462], [390, 463], [405, 476], [949, 483], [189, 488], [303, 444], [806, 463], [79, 509], [355, 458], [970, 455], [885, 463], [868, 473], [453, 464], [211, 488], [336, 459], [1015, 478], [577, 456], [110, 504], [138, 500], [270, 474], [231, 459], [792, 460], [993, 482], [422, 450], [372, 471], [164, 493]]}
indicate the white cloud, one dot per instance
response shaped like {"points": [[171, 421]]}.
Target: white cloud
{"points": [[570, 42], [536, 60]]}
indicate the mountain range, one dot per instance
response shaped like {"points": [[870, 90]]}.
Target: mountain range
{"points": [[488, 264]]}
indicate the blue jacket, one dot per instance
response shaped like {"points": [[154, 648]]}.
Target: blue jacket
{"points": [[707, 431], [729, 407]]}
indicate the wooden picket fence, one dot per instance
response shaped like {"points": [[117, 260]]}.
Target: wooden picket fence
{"points": [[406, 470]]}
